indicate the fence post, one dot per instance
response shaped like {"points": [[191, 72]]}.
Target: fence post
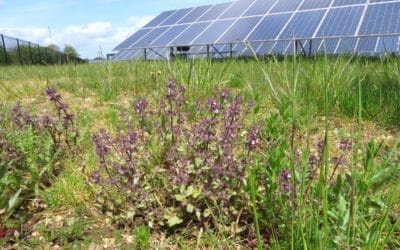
{"points": [[40, 55], [30, 52], [4, 49], [19, 53]]}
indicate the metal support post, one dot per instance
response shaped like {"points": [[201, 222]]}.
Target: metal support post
{"points": [[145, 54], [30, 52], [40, 54], [19, 53], [4, 49]]}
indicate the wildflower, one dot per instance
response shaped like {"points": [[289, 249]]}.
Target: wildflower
{"points": [[285, 177], [253, 138], [346, 145]]}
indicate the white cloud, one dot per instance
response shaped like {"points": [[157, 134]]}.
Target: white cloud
{"points": [[87, 39]]}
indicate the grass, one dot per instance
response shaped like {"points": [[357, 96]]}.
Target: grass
{"points": [[304, 101]]}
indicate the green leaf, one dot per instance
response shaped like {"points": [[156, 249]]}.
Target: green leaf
{"points": [[180, 197], [189, 208], [206, 212], [3, 170], [13, 200], [174, 220]]}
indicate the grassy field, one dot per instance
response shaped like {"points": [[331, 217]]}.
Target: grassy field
{"points": [[295, 153]]}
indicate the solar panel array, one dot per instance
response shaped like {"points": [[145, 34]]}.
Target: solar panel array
{"points": [[245, 27]]}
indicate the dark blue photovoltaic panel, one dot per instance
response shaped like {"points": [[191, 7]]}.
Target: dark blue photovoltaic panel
{"points": [[260, 7], [240, 29], [382, 19], [132, 39], [170, 35], [378, 1], [315, 4], [341, 21], [214, 31], [195, 14], [346, 45], [286, 6], [159, 19], [281, 47], [366, 44], [215, 11], [265, 48], [150, 37], [237, 9], [174, 18], [388, 44], [190, 34], [303, 24], [347, 2], [270, 27], [328, 46]]}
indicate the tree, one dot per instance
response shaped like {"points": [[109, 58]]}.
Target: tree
{"points": [[70, 52]]}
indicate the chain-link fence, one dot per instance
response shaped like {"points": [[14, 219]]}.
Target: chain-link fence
{"points": [[17, 51]]}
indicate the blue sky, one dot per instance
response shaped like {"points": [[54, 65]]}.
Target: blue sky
{"points": [[91, 26]]}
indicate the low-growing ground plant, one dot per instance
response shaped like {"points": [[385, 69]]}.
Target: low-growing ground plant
{"points": [[31, 147], [175, 165]]}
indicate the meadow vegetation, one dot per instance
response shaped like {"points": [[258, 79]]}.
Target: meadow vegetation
{"points": [[291, 153]]}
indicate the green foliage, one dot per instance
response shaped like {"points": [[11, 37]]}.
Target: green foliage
{"points": [[70, 52], [142, 237]]}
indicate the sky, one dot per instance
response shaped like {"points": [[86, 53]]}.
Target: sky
{"points": [[92, 27]]}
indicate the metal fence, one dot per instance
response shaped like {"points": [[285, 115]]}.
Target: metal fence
{"points": [[18, 51]]}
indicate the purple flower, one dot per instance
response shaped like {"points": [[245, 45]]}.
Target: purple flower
{"points": [[52, 94], [285, 177], [339, 161], [346, 145], [95, 177], [140, 106], [253, 138]]}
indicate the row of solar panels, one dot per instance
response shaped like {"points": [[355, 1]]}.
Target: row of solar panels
{"points": [[365, 45], [262, 20], [246, 8]]}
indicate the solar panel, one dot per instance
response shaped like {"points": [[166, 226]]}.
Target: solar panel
{"points": [[347, 2], [213, 32], [259, 7], [286, 6], [240, 29], [214, 12], [190, 34], [341, 21], [315, 4], [269, 26], [375, 23], [159, 19], [170, 35], [175, 17], [195, 14], [237, 9], [303, 24]]}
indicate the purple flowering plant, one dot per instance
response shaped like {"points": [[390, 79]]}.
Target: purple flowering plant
{"points": [[176, 166], [31, 146]]}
